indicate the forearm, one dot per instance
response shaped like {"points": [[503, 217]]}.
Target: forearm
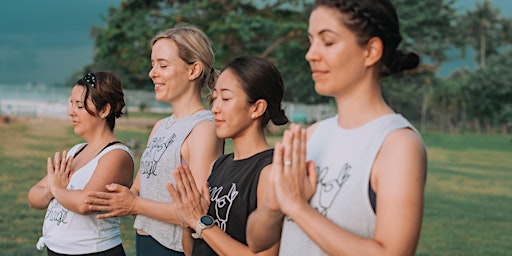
{"points": [[73, 200], [223, 244], [39, 197], [327, 235], [162, 211], [187, 241], [263, 229]]}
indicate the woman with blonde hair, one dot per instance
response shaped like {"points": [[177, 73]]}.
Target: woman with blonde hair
{"points": [[182, 65]]}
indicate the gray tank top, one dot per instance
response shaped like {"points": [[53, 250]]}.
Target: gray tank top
{"points": [[159, 159]]}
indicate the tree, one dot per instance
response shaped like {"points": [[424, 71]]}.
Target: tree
{"points": [[427, 28], [274, 29], [490, 93], [485, 30]]}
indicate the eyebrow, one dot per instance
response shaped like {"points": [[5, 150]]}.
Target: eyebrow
{"points": [[323, 31]]}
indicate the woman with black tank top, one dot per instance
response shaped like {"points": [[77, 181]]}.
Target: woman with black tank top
{"points": [[70, 228], [246, 97]]}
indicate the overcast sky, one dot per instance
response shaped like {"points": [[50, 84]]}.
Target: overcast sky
{"points": [[47, 40]]}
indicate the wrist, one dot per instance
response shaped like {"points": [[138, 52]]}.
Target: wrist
{"points": [[205, 222]]}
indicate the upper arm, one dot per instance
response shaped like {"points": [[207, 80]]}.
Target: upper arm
{"points": [[398, 177], [115, 166], [201, 149]]}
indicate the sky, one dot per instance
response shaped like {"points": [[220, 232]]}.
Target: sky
{"points": [[47, 41]]}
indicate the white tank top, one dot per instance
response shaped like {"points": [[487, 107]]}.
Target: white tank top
{"points": [[344, 159], [67, 232]]}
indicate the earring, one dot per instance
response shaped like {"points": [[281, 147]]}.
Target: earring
{"points": [[253, 116]]}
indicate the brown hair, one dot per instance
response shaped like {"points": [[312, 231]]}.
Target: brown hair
{"points": [[105, 88]]}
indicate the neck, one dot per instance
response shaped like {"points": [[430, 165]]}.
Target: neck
{"points": [[361, 106], [187, 110], [249, 144]]}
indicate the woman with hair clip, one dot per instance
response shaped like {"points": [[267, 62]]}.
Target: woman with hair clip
{"points": [[182, 64], [352, 184], [70, 227], [246, 97]]}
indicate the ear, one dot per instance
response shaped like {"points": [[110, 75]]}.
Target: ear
{"points": [[374, 50], [196, 69], [258, 108], [105, 111]]}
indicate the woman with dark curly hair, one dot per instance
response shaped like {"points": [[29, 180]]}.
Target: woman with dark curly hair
{"points": [[352, 184]]}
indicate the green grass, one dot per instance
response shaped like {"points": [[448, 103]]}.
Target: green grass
{"points": [[468, 192]]}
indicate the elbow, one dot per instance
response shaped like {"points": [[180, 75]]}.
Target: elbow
{"points": [[83, 209], [36, 206]]}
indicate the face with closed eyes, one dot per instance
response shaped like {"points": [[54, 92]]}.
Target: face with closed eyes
{"points": [[230, 109], [83, 121], [336, 60]]}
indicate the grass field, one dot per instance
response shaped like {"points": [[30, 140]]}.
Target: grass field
{"points": [[468, 196]]}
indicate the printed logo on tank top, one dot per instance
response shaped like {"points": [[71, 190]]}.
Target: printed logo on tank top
{"points": [[223, 204], [152, 155], [329, 186], [56, 212]]}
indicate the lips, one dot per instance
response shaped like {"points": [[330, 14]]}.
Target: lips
{"points": [[158, 86], [218, 122]]}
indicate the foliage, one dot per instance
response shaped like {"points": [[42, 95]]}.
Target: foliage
{"points": [[485, 29], [272, 29], [490, 91]]}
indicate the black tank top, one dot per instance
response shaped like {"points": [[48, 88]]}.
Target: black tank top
{"points": [[233, 190]]}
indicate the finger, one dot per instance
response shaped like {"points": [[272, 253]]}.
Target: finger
{"points": [[296, 146], [68, 166], [312, 174], [106, 215], [173, 193], [116, 188], [277, 159], [96, 202], [49, 166], [303, 146], [93, 195], [191, 183], [63, 161], [287, 144], [178, 180], [56, 161], [206, 192]]}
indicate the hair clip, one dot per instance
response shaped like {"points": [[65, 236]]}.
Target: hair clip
{"points": [[90, 79]]}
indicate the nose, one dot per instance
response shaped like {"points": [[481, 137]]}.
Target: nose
{"points": [[71, 110], [152, 72], [312, 53], [215, 107]]}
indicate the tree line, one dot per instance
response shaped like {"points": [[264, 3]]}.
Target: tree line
{"points": [[470, 99]]}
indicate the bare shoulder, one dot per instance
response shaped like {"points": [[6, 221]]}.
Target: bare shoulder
{"points": [[403, 154], [311, 129], [403, 139]]}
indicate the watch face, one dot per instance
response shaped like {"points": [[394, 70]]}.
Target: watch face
{"points": [[207, 220]]}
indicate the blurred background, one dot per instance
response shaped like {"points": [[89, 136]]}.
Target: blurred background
{"points": [[463, 83]]}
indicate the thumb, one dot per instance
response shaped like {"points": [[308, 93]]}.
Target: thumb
{"points": [[113, 187], [206, 191], [312, 174]]}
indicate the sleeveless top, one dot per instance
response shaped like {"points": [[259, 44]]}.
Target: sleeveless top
{"points": [[344, 160], [67, 232], [233, 191], [157, 163]]}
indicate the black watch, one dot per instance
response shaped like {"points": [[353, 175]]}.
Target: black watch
{"points": [[204, 222]]}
